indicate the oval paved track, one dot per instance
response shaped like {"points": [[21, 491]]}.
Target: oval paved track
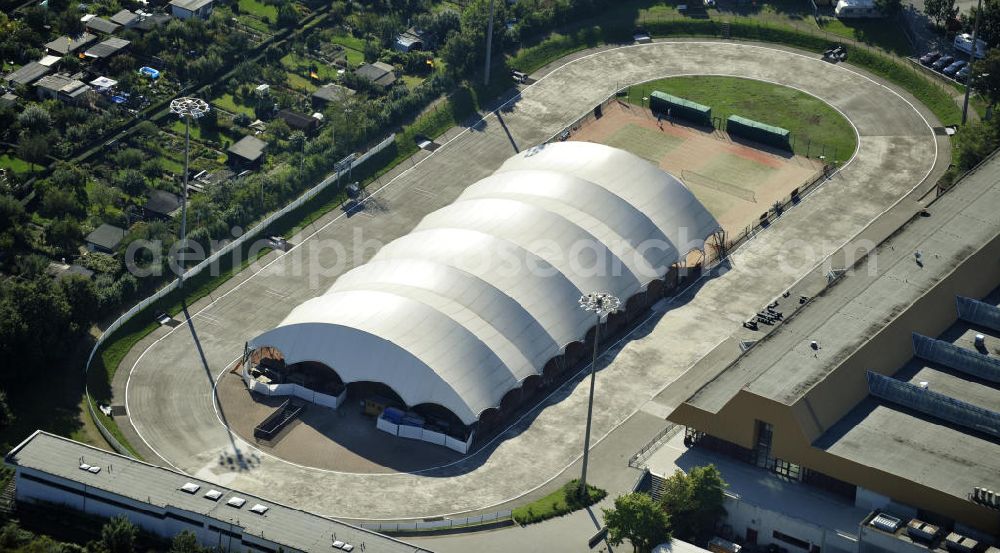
{"points": [[169, 395]]}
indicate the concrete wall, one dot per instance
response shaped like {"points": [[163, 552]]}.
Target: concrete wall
{"points": [[797, 426], [153, 519], [742, 515]]}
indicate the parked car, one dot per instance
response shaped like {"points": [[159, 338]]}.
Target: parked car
{"points": [[954, 68], [963, 73], [930, 57], [963, 43], [942, 62]]}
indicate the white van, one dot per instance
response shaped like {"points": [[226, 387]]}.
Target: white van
{"points": [[856, 8], [963, 43]]}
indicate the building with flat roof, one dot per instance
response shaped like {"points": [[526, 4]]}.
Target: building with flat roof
{"points": [[379, 73], [247, 152], [107, 48], [51, 469], [65, 44], [330, 93], [161, 204], [101, 25], [125, 18], [184, 9], [62, 87], [105, 238], [28, 74], [884, 389]]}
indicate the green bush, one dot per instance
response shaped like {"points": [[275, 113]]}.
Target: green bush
{"points": [[566, 499]]}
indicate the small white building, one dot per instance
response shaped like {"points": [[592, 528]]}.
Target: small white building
{"points": [[184, 9], [847, 9]]}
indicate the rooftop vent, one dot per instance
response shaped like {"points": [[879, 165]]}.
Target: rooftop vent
{"points": [[94, 470], [214, 495], [237, 502], [957, 543], [347, 547], [190, 488], [259, 509], [886, 523], [920, 530], [84, 466]]}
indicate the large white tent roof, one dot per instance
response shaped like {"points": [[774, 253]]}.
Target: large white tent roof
{"points": [[483, 292]]}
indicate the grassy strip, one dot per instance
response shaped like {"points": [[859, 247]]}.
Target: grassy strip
{"points": [[815, 126], [560, 502]]}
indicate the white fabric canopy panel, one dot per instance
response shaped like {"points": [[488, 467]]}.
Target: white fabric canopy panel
{"points": [[483, 292]]}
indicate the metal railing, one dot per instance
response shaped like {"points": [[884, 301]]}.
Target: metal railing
{"points": [[443, 525], [638, 459]]}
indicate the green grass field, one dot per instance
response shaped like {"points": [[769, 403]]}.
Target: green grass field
{"points": [[228, 103], [812, 122], [259, 9], [353, 47], [17, 165], [300, 65]]}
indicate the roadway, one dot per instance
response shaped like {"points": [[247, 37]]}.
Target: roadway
{"points": [[166, 381]]}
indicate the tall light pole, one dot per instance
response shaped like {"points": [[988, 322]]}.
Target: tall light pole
{"points": [[972, 59], [489, 46], [187, 108], [602, 304]]}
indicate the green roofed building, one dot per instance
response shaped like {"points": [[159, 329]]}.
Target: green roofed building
{"points": [[759, 132], [661, 102]]}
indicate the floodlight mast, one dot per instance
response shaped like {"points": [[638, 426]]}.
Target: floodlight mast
{"points": [[186, 108], [602, 304]]}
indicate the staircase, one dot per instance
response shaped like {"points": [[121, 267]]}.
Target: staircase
{"points": [[656, 485], [726, 30], [8, 504]]}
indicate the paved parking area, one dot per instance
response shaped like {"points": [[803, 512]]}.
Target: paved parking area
{"points": [[169, 385]]}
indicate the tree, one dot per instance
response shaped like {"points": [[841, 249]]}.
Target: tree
{"points": [[989, 23], [987, 75], [34, 149], [637, 518], [64, 235], [131, 182], [940, 11], [185, 542], [889, 7], [694, 502], [81, 295], [297, 141], [118, 535], [287, 15], [6, 415]]}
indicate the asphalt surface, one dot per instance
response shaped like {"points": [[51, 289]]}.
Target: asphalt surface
{"points": [[167, 381]]}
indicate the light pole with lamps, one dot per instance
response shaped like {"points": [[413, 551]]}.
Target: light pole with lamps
{"points": [[187, 108], [602, 304], [972, 59]]}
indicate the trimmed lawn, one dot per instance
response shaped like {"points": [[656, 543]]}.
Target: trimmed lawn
{"points": [[259, 9], [227, 103], [353, 47], [412, 82], [300, 65], [809, 119], [300, 83], [14, 164]]}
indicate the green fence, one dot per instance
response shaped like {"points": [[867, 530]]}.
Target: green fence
{"points": [[668, 104], [759, 132]]}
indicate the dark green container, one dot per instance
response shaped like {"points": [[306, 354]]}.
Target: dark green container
{"points": [[663, 103], [759, 132]]}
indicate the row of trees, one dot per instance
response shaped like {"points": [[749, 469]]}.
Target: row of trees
{"points": [[118, 535], [690, 509]]}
